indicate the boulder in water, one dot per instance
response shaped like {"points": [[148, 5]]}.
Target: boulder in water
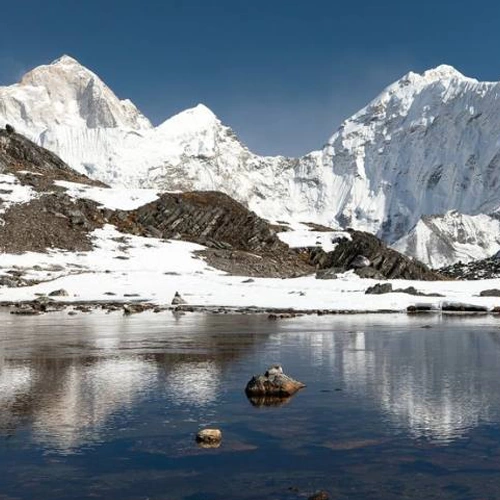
{"points": [[273, 383]]}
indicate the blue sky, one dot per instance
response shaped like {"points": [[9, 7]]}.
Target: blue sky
{"points": [[281, 73]]}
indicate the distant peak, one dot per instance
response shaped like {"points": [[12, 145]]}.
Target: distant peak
{"points": [[202, 110], [199, 117], [444, 71], [65, 59]]}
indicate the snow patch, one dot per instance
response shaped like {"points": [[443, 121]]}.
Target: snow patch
{"points": [[112, 198]]}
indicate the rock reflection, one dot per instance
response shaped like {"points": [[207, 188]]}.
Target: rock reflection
{"points": [[261, 401]]}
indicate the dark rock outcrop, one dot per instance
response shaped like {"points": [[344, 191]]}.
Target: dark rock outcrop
{"points": [[379, 289], [59, 293], [493, 292], [462, 307], [383, 260], [475, 270], [239, 242]]}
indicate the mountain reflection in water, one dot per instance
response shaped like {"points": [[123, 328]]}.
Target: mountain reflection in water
{"points": [[66, 379]]}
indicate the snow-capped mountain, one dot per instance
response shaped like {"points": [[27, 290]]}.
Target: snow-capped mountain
{"points": [[428, 144], [69, 110]]}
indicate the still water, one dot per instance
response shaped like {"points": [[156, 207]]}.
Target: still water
{"points": [[107, 406]]}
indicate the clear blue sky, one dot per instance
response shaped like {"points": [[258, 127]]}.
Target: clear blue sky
{"points": [[281, 73]]}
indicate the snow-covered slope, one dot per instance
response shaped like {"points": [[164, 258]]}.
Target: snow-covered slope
{"points": [[443, 239], [426, 145]]}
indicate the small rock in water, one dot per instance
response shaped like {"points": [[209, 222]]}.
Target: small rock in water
{"points": [[178, 300], [273, 383], [209, 438], [59, 293], [319, 495]]}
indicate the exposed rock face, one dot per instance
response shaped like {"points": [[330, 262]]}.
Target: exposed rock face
{"points": [[210, 218], [239, 241], [383, 260], [274, 383]]}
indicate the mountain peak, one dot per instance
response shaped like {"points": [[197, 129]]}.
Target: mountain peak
{"points": [[66, 93], [443, 72], [202, 110], [197, 118], [66, 60]]}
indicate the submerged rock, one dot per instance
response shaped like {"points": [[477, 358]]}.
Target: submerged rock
{"points": [[319, 495], [209, 438], [273, 383]]}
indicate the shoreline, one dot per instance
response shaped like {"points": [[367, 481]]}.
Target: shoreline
{"points": [[37, 307]]}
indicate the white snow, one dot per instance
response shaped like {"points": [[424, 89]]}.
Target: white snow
{"points": [[119, 198], [156, 269], [12, 192], [303, 238], [446, 239]]}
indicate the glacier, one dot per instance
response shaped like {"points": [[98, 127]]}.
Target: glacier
{"points": [[428, 145]]}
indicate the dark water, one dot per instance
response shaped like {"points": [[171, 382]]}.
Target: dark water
{"points": [[105, 406]]}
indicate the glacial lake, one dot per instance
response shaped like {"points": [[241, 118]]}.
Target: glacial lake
{"points": [[107, 406]]}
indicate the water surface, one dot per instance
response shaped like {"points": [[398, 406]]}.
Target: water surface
{"points": [[107, 406]]}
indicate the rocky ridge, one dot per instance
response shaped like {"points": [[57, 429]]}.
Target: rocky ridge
{"points": [[370, 258]]}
